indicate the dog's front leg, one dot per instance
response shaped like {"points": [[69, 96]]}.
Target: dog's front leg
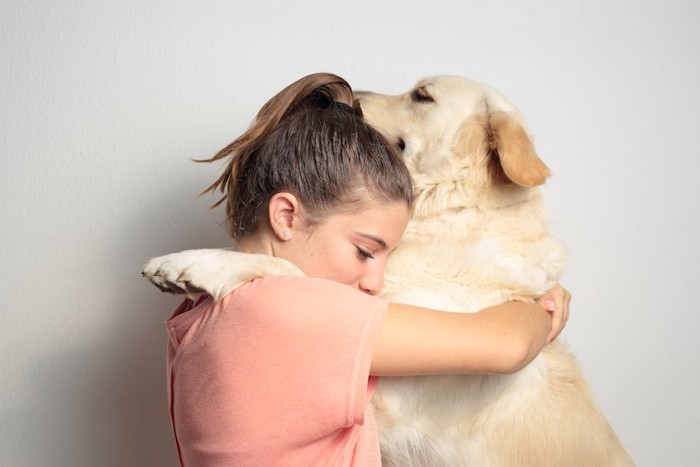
{"points": [[216, 272]]}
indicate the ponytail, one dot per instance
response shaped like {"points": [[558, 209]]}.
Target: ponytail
{"points": [[289, 147]]}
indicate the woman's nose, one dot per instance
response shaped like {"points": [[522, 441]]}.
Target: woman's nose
{"points": [[372, 281]]}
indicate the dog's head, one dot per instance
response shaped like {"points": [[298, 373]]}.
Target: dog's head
{"points": [[454, 131]]}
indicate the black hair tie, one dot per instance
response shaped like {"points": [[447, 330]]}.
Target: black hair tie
{"points": [[343, 106]]}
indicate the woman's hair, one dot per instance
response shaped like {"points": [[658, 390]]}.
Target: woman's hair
{"points": [[308, 140]]}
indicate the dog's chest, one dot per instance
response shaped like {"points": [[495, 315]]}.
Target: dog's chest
{"points": [[471, 259]]}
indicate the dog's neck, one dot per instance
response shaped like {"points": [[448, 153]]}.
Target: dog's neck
{"points": [[436, 197]]}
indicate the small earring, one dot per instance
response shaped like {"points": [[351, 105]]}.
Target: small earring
{"points": [[285, 233]]}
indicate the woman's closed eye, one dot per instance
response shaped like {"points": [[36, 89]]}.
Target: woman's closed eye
{"points": [[364, 254]]}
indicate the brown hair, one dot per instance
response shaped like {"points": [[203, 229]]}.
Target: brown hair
{"points": [[307, 141]]}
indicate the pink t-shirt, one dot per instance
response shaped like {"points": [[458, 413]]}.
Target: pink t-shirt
{"points": [[276, 374]]}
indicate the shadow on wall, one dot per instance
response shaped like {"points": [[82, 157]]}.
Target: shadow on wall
{"points": [[104, 401], [188, 223]]}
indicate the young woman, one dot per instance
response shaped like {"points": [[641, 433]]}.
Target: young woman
{"points": [[281, 371]]}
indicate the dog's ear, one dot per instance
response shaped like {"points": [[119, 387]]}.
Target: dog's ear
{"points": [[510, 144]]}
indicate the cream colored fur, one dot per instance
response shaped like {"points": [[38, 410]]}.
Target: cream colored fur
{"points": [[478, 236]]}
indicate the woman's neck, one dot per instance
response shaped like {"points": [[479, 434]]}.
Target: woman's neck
{"points": [[256, 243]]}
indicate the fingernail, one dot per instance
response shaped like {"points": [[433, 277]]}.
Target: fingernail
{"points": [[551, 304]]}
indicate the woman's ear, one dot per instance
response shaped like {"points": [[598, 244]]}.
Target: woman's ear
{"points": [[283, 208]]}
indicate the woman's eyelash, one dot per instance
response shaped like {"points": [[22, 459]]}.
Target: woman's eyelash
{"points": [[364, 253]]}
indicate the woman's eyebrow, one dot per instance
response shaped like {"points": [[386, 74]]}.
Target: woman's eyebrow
{"points": [[374, 238]]}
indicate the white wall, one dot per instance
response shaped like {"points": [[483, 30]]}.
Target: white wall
{"points": [[103, 104]]}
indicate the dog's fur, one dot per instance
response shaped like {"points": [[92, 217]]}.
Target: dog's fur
{"points": [[478, 236]]}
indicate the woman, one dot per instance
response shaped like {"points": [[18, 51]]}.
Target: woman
{"points": [[281, 371]]}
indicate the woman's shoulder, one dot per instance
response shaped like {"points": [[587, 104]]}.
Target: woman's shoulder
{"points": [[302, 295], [300, 288]]}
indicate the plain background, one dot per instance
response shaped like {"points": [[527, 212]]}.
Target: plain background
{"points": [[103, 103]]}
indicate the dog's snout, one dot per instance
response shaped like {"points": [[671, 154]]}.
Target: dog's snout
{"points": [[359, 94], [357, 99], [357, 105]]}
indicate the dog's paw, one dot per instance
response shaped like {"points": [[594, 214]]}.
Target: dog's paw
{"points": [[216, 272], [171, 273]]}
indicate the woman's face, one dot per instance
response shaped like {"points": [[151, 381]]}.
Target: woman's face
{"points": [[350, 248]]}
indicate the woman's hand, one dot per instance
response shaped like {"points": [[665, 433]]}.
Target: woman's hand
{"points": [[556, 302]]}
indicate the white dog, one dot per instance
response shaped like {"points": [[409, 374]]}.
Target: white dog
{"points": [[478, 236]]}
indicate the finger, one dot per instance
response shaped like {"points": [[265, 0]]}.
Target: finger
{"points": [[565, 312], [554, 333], [550, 305], [557, 323]]}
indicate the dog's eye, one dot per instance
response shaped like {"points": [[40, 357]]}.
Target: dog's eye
{"points": [[401, 144], [421, 95]]}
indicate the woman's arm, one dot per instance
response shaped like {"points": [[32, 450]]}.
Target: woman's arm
{"points": [[499, 339]]}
